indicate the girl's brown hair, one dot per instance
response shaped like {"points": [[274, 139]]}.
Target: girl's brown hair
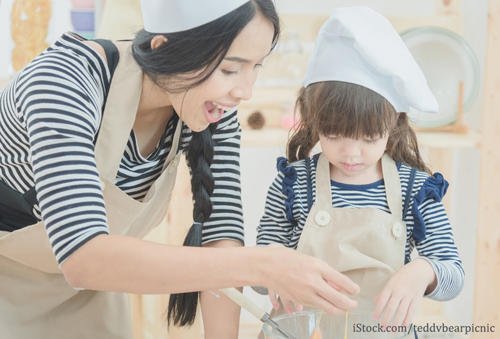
{"points": [[353, 111]]}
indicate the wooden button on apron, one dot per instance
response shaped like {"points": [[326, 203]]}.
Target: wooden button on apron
{"points": [[322, 218], [397, 230]]}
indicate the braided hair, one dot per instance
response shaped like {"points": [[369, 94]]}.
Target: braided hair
{"points": [[197, 51], [182, 306]]}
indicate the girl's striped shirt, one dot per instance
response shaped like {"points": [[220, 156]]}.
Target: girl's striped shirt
{"points": [[425, 208]]}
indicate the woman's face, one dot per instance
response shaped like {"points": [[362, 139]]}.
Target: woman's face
{"points": [[232, 80]]}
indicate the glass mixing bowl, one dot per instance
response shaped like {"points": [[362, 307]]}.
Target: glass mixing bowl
{"points": [[359, 324]]}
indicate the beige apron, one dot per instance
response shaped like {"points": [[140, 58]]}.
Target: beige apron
{"points": [[35, 299], [366, 244]]}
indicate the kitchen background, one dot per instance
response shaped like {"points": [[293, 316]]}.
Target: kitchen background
{"points": [[465, 52]]}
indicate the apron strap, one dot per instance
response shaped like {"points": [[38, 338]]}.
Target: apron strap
{"points": [[119, 115], [391, 181], [112, 59], [392, 186], [323, 186], [309, 184], [409, 191]]}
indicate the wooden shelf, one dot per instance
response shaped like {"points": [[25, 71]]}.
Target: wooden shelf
{"points": [[276, 137]]}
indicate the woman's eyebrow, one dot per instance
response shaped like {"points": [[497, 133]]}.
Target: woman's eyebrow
{"points": [[237, 59], [241, 60]]}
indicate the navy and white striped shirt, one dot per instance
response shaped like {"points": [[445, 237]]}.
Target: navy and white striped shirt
{"points": [[438, 247], [49, 117]]}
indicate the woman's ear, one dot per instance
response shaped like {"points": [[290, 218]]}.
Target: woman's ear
{"points": [[158, 41]]}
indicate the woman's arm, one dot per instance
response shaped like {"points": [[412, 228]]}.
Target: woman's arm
{"points": [[125, 264], [215, 308]]}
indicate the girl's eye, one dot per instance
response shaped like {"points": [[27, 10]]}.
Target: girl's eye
{"points": [[332, 137], [371, 141], [259, 65]]}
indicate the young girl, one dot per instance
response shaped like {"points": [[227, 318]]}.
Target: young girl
{"points": [[368, 199]]}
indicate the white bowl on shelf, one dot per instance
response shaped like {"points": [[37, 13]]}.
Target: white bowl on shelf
{"points": [[446, 60]]}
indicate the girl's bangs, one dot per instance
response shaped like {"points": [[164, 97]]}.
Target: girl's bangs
{"points": [[349, 110]]}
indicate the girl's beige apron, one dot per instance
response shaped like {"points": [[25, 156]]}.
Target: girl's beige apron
{"points": [[366, 244], [35, 299]]}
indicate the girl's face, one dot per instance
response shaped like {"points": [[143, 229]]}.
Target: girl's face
{"points": [[354, 161], [232, 80]]}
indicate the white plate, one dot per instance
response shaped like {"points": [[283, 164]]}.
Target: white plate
{"points": [[446, 59]]}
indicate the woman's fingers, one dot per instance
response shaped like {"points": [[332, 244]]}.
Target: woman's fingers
{"points": [[340, 281], [325, 305], [334, 297], [273, 297], [309, 281], [287, 305], [299, 308]]}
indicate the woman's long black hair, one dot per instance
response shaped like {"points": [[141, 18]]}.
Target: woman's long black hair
{"points": [[196, 51]]}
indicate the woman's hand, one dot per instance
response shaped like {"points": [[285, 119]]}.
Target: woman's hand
{"points": [[400, 298], [304, 280]]}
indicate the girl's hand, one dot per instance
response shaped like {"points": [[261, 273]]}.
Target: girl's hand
{"points": [[304, 280], [401, 296]]}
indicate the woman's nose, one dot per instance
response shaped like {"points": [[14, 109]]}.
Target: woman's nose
{"points": [[243, 91]]}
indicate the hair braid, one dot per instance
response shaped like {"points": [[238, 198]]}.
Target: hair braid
{"points": [[182, 306]]}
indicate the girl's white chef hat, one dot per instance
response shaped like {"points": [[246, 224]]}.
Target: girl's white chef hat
{"points": [[360, 46], [169, 16]]}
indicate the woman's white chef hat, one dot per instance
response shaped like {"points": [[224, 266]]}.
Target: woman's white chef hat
{"points": [[169, 16], [360, 46]]}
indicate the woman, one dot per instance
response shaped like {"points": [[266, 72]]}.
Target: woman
{"points": [[90, 138]]}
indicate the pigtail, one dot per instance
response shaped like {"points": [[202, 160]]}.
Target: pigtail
{"points": [[403, 146], [304, 137], [182, 306]]}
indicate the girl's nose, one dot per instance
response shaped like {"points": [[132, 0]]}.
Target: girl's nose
{"points": [[351, 147]]}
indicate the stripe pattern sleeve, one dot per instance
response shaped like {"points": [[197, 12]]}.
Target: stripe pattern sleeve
{"points": [[60, 110]]}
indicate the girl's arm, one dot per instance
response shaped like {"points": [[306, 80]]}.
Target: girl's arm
{"points": [[214, 308], [440, 251], [274, 227]]}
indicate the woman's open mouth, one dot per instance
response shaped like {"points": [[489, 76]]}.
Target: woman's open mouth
{"points": [[213, 112]]}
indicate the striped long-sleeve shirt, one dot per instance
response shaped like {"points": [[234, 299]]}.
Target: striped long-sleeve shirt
{"points": [[425, 210], [49, 118]]}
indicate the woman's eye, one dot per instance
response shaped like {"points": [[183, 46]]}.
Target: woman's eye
{"points": [[371, 141], [226, 72]]}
